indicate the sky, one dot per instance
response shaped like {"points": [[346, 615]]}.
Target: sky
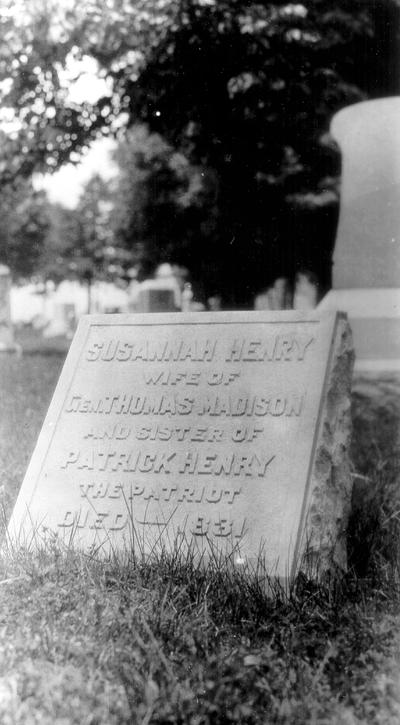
{"points": [[65, 186], [83, 83]]}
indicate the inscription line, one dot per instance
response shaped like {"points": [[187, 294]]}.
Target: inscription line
{"points": [[196, 324]]}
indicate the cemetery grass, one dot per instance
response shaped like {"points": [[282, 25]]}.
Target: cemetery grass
{"points": [[89, 642]]}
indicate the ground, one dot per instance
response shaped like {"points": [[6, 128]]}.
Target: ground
{"points": [[109, 642]]}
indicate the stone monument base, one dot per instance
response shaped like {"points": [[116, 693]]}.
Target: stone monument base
{"points": [[374, 316]]}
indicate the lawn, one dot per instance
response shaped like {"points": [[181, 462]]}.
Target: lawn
{"points": [[83, 641]]}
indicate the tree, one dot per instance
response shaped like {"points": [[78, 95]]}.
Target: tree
{"points": [[23, 229], [80, 242], [164, 207], [62, 238], [243, 90], [256, 86]]}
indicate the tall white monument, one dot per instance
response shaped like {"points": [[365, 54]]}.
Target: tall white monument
{"points": [[366, 271]]}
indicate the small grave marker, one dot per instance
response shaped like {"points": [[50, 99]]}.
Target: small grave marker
{"points": [[7, 343], [210, 429]]}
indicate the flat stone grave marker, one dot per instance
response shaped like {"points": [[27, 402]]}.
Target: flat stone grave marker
{"points": [[222, 430]]}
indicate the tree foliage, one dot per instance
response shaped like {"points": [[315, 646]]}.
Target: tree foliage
{"points": [[244, 90], [80, 242], [24, 225], [164, 207]]}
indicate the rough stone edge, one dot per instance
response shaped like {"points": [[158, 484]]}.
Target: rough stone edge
{"points": [[323, 549]]}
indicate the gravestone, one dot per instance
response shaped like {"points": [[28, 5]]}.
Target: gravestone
{"points": [[366, 271], [7, 342], [157, 295], [69, 313], [278, 296], [305, 295], [221, 430], [156, 299], [63, 321]]}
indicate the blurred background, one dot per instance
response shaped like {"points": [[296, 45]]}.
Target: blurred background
{"points": [[175, 154]]}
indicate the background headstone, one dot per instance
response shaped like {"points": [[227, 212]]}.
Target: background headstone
{"points": [[305, 291], [278, 296], [367, 248], [187, 297], [63, 321], [155, 298], [366, 271], [7, 342], [227, 430]]}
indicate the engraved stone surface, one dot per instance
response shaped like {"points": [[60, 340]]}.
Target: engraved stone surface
{"points": [[226, 430]]}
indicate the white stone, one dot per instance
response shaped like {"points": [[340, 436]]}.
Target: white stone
{"points": [[367, 248], [7, 342], [375, 323], [366, 270], [226, 430]]}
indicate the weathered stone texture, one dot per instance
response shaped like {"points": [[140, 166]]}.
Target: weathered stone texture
{"points": [[324, 541], [216, 430]]}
